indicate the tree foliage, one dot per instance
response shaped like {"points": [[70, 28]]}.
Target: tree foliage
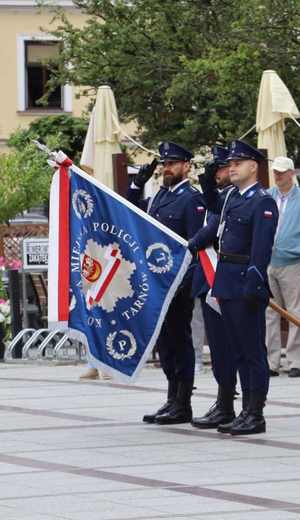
{"points": [[25, 181], [25, 174], [65, 132], [187, 70]]}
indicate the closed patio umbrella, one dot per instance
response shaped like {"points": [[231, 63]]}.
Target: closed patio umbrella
{"points": [[102, 138], [274, 105], [101, 142]]}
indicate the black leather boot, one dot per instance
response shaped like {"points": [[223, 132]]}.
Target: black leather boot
{"points": [[181, 411], [227, 427], [254, 421], [220, 413], [172, 392]]}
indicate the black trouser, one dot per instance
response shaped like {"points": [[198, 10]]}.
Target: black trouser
{"points": [[222, 355], [175, 346], [246, 330]]}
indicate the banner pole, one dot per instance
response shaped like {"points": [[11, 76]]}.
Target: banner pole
{"points": [[284, 314]]}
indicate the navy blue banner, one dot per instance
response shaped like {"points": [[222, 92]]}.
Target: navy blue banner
{"points": [[124, 270]]}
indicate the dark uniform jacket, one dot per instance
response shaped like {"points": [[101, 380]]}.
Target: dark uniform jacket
{"points": [[250, 222], [182, 209], [205, 237]]}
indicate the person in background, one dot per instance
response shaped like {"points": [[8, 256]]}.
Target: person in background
{"points": [[93, 373], [90, 373], [284, 269], [198, 334]]}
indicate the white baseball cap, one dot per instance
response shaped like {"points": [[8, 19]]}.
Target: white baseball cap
{"points": [[282, 164]]}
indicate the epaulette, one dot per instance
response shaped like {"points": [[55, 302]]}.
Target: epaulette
{"points": [[185, 188], [263, 192]]}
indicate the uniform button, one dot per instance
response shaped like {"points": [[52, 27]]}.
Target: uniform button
{"points": [[227, 229], [157, 215], [259, 287]]}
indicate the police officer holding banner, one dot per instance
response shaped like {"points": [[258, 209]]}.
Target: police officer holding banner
{"points": [[180, 207], [248, 220]]}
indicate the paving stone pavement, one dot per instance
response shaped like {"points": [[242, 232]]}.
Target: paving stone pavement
{"points": [[72, 450]]}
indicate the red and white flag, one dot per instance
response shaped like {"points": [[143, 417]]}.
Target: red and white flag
{"points": [[208, 259]]}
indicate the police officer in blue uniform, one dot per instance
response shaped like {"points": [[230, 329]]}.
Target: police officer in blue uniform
{"points": [[246, 233], [180, 207], [222, 359]]}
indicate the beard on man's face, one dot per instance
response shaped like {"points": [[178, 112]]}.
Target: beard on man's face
{"points": [[172, 180]]}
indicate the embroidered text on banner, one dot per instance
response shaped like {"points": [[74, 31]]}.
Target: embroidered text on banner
{"points": [[124, 269]]}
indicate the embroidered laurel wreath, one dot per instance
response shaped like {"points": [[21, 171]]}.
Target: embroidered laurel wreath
{"points": [[166, 258], [119, 355]]}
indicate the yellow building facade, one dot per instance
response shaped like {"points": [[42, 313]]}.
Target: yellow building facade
{"points": [[24, 44]]}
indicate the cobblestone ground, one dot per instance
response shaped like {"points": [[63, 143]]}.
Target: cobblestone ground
{"points": [[79, 451]]}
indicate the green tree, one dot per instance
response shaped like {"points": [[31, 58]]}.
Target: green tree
{"points": [[25, 181], [187, 70], [65, 132], [25, 174]]}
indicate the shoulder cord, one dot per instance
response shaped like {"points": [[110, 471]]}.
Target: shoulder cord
{"points": [[222, 214]]}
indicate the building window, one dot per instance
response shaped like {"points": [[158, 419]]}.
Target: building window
{"points": [[33, 52], [38, 74]]}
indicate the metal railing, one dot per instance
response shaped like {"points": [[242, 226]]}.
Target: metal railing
{"points": [[20, 337], [46, 344]]}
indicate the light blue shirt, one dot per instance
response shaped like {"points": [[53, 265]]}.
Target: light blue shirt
{"points": [[286, 249]]}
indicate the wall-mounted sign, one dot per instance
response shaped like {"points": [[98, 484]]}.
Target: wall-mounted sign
{"points": [[35, 254]]}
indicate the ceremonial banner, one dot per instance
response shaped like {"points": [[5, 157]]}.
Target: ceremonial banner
{"points": [[113, 271], [208, 259]]}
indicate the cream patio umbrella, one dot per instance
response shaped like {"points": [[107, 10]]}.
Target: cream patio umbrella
{"points": [[274, 104], [101, 142], [102, 138]]}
